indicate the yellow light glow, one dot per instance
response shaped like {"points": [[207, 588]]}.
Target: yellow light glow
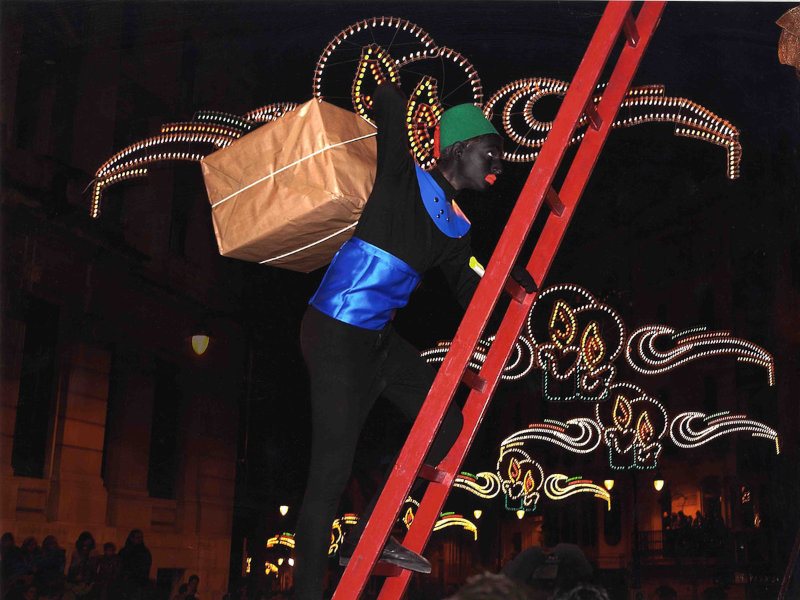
{"points": [[280, 561], [477, 512], [284, 509], [658, 484], [520, 514], [199, 343], [291, 562], [609, 483]]}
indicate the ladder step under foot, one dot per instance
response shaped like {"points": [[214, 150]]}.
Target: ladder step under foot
{"points": [[474, 381]]}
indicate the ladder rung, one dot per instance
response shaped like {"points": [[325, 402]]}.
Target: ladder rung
{"points": [[430, 473], [631, 32], [515, 290], [591, 113], [474, 381], [383, 569], [554, 202]]}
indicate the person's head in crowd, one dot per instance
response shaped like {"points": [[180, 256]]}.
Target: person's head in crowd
{"points": [[109, 549], [29, 546], [491, 586], [7, 542], [183, 589], [665, 592], [583, 591], [85, 543], [194, 581], [30, 593], [135, 538], [50, 543]]}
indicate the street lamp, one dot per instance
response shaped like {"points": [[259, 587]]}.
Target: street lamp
{"points": [[520, 514], [200, 342], [477, 512], [658, 482], [284, 509], [608, 483]]}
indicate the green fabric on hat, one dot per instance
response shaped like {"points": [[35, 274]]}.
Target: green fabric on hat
{"points": [[461, 123]]}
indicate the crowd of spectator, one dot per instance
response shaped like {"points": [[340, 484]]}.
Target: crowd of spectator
{"points": [[33, 572], [700, 535]]}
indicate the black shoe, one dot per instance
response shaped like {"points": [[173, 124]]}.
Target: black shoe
{"points": [[394, 553]]}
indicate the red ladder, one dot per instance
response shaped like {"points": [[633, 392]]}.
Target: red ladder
{"points": [[617, 19]]}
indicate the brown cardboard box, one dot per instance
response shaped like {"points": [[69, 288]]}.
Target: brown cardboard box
{"points": [[290, 193]]}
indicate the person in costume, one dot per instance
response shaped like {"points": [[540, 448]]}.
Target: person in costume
{"points": [[409, 225]]}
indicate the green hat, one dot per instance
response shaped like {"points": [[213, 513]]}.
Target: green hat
{"points": [[461, 123]]}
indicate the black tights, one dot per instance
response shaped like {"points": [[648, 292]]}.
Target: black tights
{"points": [[349, 368]]}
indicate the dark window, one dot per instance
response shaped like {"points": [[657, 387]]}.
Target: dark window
{"points": [[36, 388], [164, 432]]}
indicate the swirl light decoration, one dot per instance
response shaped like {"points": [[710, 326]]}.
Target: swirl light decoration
{"points": [[693, 429], [642, 104], [632, 426], [519, 363], [337, 531], [564, 326], [189, 141], [282, 539], [521, 477], [558, 487], [334, 81], [484, 485], [643, 354], [446, 519], [586, 439]]}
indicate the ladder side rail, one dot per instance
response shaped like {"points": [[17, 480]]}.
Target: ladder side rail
{"points": [[477, 402], [593, 141], [445, 384]]}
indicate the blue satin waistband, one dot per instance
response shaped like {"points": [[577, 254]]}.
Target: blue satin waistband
{"points": [[364, 285]]}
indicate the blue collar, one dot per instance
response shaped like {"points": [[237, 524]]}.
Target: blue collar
{"points": [[446, 215]]}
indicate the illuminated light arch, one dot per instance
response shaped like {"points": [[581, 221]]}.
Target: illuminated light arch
{"points": [[643, 356], [518, 365], [377, 66], [585, 440], [484, 485], [632, 425], [420, 41], [686, 434], [564, 325], [423, 114], [282, 539], [270, 112], [641, 104], [558, 487], [520, 476], [445, 520]]}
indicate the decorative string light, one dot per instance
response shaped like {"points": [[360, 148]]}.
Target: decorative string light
{"points": [[445, 520], [484, 485], [693, 429], [584, 440], [268, 568], [377, 66], [423, 114], [416, 42], [643, 356], [283, 539], [558, 487], [632, 427], [641, 104]]}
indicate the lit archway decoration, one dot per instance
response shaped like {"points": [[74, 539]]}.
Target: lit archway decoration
{"points": [[558, 487], [576, 340], [642, 104], [643, 354], [585, 439], [632, 425], [693, 429], [282, 539]]}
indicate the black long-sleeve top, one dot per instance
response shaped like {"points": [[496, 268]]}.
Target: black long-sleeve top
{"points": [[395, 219]]}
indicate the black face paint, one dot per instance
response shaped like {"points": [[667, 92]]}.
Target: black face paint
{"points": [[480, 162]]}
